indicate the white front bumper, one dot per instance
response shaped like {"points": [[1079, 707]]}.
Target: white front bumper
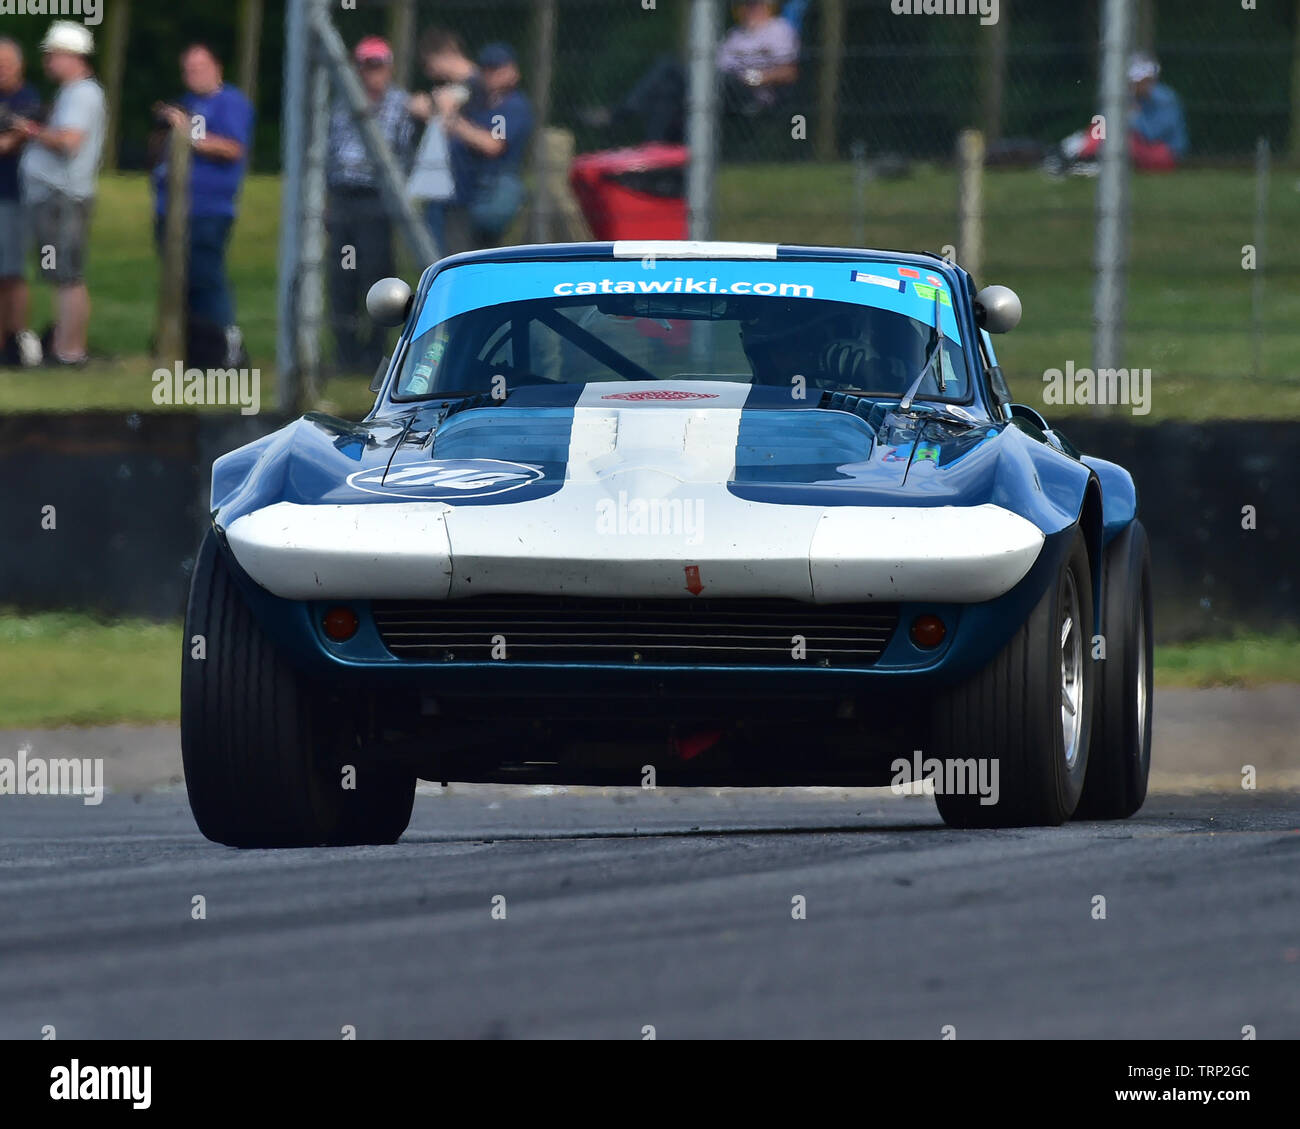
{"points": [[577, 542]]}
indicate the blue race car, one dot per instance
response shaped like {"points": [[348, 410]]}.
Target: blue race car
{"points": [[670, 513]]}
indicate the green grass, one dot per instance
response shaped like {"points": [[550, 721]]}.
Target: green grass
{"points": [[1245, 660], [64, 668], [61, 668], [1189, 312]]}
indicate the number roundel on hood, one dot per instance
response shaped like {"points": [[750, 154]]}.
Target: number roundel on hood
{"points": [[445, 480]]}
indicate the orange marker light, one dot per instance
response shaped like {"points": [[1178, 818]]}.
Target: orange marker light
{"points": [[340, 624], [928, 631]]}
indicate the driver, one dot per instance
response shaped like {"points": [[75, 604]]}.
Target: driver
{"points": [[842, 347]]}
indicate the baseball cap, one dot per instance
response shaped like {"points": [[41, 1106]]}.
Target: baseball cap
{"points": [[373, 49], [1142, 67], [66, 35], [496, 55]]}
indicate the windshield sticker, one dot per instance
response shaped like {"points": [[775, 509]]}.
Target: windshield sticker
{"points": [[426, 368], [928, 292], [879, 280]]}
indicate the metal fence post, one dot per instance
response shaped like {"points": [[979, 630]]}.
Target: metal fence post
{"points": [[293, 129], [311, 279], [702, 117], [1112, 189], [970, 201]]}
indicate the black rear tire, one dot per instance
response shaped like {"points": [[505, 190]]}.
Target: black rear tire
{"points": [[1011, 714], [1116, 784], [265, 749]]}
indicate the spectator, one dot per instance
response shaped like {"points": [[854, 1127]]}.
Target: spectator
{"points": [[431, 186], [758, 58], [58, 173], [1157, 129], [654, 110], [356, 216], [1157, 139], [488, 122], [219, 120], [18, 102]]}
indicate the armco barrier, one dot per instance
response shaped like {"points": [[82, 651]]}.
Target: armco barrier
{"points": [[129, 498]]}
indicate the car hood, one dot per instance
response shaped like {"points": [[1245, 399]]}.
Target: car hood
{"points": [[608, 488]]}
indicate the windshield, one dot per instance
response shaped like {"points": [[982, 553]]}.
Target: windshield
{"points": [[864, 328]]}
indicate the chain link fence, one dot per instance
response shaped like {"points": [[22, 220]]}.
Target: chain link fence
{"points": [[858, 148]]}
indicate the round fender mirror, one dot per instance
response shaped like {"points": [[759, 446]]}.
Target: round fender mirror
{"points": [[389, 302], [997, 309]]}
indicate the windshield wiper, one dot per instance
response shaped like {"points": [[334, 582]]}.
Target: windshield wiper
{"points": [[933, 353]]}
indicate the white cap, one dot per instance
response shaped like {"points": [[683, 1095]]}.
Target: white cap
{"points": [[66, 35], [1142, 67]]}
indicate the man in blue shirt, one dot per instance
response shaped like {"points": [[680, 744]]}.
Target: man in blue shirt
{"points": [[18, 101], [488, 121], [219, 121]]}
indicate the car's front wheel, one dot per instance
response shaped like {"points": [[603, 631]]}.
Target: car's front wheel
{"points": [[1022, 726], [1121, 746], [271, 758]]}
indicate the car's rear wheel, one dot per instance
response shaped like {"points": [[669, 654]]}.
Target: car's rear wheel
{"points": [[1120, 762], [1025, 719], [271, 758]]}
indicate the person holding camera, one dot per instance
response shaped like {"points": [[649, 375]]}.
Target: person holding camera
{"points": [[18, 102], [487, 121]]}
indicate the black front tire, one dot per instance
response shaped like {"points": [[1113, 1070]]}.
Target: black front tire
{"points": [[1116, 785], [1010, 714], [265, 749]]}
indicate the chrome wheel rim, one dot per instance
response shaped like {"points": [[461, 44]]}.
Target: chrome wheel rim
{"points": [[1141, 677], [1071, 672]]}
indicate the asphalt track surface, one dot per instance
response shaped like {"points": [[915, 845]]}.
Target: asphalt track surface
{"points": [[670, 908]]}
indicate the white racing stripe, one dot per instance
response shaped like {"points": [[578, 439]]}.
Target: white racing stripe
{"points": [[690, 249]]}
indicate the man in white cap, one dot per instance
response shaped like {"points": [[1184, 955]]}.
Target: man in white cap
{"points": [[1157, 130], [60, 166], [1157, 138]]}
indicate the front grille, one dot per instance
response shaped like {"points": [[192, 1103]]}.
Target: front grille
{"points": [[718, 632]]}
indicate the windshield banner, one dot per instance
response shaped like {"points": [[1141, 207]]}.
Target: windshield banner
{"points": [[884, 285]]}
